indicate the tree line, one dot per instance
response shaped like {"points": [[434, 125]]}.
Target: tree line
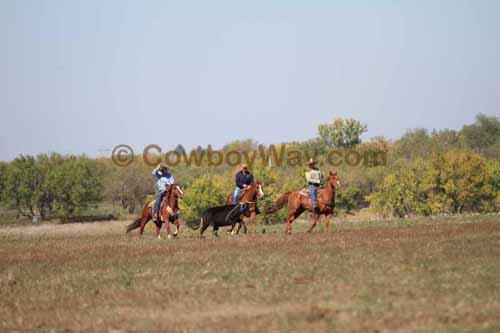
{"points": [[425, 172]]}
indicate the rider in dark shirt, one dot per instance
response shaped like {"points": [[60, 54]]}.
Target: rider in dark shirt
{"points": [[242, 179]]}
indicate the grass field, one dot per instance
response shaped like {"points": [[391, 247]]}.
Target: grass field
{"points": [[420, 275]]}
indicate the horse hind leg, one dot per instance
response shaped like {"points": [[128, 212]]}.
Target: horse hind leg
{"points": [[288, 225], [144, 221], [291, 216]]}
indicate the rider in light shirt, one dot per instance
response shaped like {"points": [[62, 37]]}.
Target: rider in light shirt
{"points": [[314, 178], [163, 181]]}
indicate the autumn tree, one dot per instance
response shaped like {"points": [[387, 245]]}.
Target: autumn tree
{"points": [[402, 192], [458, 180]]}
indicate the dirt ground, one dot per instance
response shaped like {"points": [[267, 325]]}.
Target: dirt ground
{"points": [[420, 275]]}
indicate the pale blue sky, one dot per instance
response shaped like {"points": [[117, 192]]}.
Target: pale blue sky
{"points": [[79, 76]]}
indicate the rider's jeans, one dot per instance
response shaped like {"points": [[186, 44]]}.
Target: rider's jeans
{"points": [[236, 195], [159, 198], [313, 189]]}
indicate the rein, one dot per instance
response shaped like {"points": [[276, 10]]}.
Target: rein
{"points": [[231, 212], [238, 205], [171, 202], [331, 203]]}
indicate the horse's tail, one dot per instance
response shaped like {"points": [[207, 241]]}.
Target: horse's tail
{"points": [[282, 200], [146, 215], [193, 225], [134, 225]]}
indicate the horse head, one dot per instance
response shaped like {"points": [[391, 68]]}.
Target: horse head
{"points": [[176, 191], [252, 191], [333, 180]]}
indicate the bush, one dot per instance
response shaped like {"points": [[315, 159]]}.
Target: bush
{"points": [[203, 193], [401, 193]]}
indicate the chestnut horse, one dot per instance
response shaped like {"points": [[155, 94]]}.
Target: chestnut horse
{"points": [[248, 197], [298, 202], [168, 213]]}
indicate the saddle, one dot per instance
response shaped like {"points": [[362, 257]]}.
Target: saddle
{"points": [[170, 211], [305, 192]]}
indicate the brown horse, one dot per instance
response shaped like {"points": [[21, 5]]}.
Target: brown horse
{"points": [[298, 202], [249, 197], [168, 213]]}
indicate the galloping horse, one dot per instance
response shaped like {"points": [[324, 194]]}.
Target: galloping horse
{"points": [[168, 213], [248, 197], [298, 202]]}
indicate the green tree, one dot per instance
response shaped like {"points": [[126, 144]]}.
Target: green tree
{"points": [[446, 140], [414, 144], [75, 184], [44, 191], [241, 145], [3, 176], [342, 133], [494, 183], [21, 185], [128, 186], [347, 198], [268, 177], [483, 135]]}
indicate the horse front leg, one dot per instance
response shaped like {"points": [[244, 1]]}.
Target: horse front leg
{"points": [[158, 229], [167, 226], [327, 222], [177, 227], [252, 223], [315, 221]]}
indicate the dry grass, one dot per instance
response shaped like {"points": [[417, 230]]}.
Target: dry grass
{"points": [[439, 275]]}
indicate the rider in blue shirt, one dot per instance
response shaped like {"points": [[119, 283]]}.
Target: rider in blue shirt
{"points": [[163, 181]]}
